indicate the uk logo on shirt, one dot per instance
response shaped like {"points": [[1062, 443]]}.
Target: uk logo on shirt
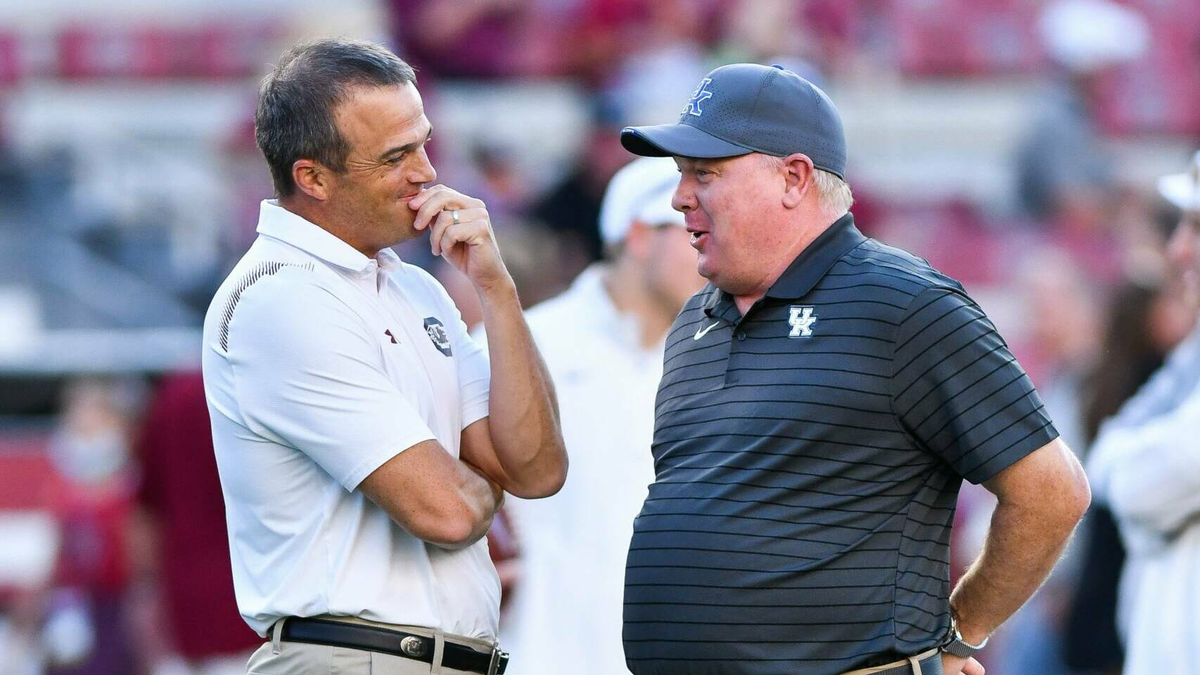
{"points": [[438, 335], [801, 320]]}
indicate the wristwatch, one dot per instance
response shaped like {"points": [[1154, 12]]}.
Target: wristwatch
{"points": [[957, 646]]}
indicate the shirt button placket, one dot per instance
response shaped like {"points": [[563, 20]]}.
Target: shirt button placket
{"points": [[737, 336]]}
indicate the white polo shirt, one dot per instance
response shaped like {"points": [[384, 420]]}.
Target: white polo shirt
{"points": [[320, 365], [567, 604]]}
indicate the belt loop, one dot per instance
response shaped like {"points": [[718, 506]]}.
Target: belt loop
{"points": [[276, 633], [494, 662], [439, 648], [916, 665]]}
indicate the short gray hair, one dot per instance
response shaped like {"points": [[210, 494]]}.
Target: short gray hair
{"points": [[295, 115], [833, 193]]}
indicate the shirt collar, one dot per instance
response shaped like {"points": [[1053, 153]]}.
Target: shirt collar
{"points": [[804, 272], [279, 223], [816, 259]]}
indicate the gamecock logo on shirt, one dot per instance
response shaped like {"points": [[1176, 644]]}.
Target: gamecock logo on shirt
{"points": [[437, 333]]}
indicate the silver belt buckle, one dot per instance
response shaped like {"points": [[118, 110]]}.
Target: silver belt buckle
{"points": [[494, 663]]}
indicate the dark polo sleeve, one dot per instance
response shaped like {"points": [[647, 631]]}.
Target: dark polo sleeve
{"points": [[958, 390]]}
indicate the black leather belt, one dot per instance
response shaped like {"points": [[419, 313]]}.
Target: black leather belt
{"points": [[394, 642]]}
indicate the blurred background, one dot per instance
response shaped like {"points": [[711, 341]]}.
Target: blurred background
{"points": [[1013, 143]]}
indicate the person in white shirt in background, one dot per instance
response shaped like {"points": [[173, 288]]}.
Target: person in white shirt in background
{"points": [[1145, 464], [602, 340]]}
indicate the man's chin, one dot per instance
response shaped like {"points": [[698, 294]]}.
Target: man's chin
{"points": [[731, 285], [404, 231]]}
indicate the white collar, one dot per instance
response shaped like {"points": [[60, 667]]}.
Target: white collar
{"points": [[277, 222]]}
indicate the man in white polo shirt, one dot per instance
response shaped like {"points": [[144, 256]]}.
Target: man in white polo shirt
{"points": [[603, 342], [363, 439]]}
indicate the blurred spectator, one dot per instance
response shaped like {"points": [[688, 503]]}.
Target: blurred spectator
{"points": [[608, 32], [20, 650], [771, 32], [603, 343], [184, 546], [1146, 320], [572, 208], [247, 182], [1145, 466], [496, 179], [661, 56], [1062, 314], [480, 38], [86, 628], [1065, 172]]}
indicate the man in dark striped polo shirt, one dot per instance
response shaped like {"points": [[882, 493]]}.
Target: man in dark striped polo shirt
{"points": [[822, 400]]}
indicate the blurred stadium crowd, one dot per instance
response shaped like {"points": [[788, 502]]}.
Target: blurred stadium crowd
{"points": [[1013, 143]]}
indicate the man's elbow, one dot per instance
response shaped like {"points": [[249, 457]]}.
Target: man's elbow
{"points": [[1068, 484], [555, 480], [452, 528], [545, 483], [454, 535], [1076, 499]]}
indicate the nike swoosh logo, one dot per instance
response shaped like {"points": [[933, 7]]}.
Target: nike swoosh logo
{"points": [[701, 332]]}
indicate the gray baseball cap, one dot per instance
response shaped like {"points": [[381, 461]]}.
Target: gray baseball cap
{"points": [[746, 107]]}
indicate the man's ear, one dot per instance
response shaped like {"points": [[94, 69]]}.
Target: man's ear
{"points": [[312, 178], [798, 173]]}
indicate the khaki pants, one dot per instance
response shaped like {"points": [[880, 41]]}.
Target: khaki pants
{"points": [[277, 657]]}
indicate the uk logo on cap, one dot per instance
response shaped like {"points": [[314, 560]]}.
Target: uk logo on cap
{"points": [[699, 96]]}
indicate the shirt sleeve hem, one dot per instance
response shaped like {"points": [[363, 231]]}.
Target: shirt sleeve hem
{"points": [[991, 468], [473, 412], [377, 459]]}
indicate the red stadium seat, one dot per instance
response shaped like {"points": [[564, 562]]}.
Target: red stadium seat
{"points": [[212, 50], [10, 59], [28, 481], [1160, 93], [946, 38]]}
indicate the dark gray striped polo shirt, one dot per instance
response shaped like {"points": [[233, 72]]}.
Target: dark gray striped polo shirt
{"points": [[808, 459]]}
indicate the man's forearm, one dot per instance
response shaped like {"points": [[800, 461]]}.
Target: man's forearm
{"points": [[482, 497], [1022, 546], [523, 410]]}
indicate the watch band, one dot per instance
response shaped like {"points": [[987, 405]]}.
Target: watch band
{"points": [[957, 646]]}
